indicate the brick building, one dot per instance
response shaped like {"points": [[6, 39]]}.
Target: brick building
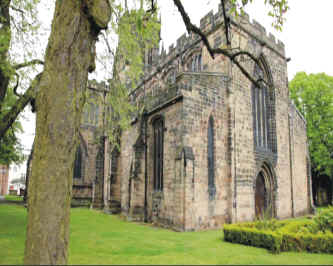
{"points": [[210, 147], [4, 173]]}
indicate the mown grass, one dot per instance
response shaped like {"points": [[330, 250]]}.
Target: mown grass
{"points": [[13, 198], [97, 238]]}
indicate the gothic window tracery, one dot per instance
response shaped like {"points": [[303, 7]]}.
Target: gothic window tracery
{"points": [[195, 63], [158, 131], [262, 110]]}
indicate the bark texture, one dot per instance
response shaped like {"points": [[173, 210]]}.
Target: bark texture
{"points": [[69, 57], [5, 35]]}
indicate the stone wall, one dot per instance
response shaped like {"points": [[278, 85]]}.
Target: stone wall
{"points": [[186, 101], [299, 160], [205, 96], [4, 173]]}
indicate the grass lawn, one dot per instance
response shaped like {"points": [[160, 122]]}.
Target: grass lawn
{"points": [[13, 198], [97, 238]]}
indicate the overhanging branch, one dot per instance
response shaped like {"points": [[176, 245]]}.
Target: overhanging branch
{"points": [[226, 52], [26, 64], [10, 117]]}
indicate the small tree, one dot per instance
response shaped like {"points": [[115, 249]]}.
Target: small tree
{"points": [[313, 96]]}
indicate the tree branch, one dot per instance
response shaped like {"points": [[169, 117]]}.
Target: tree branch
{"points": [[16, 85], [10, 117], [226, 52], [26, 64], [226, 23], [17, 9]]}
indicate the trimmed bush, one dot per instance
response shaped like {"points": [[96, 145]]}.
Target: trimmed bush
{"points": [[314, 243], [324, 220], [253, 237], [287, 236]]}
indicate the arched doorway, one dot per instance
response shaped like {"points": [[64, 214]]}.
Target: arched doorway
{"points": [[264, 202]]}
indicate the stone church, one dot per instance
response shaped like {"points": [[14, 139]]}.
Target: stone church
{"points": [[210, 147]]}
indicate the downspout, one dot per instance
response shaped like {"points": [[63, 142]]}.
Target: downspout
{"points": [[145, 118], [104, 150], [291, 168]]}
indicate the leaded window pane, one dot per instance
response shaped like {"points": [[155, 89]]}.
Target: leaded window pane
{"points": [[78, 163], [211, 162], [158, 128]]}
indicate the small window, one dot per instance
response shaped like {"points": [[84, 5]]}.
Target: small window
{"points": [[158, 128]]}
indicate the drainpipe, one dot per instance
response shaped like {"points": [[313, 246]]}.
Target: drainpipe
{"points": [[145, 121], [291, 168]]}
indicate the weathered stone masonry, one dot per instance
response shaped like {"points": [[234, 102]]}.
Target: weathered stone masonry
{"points": [[226, 152]]}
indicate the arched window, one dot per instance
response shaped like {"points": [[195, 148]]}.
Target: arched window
{"points": [[78, 163], [195, 63], [262, 110], [158, 128], [211, 161]]}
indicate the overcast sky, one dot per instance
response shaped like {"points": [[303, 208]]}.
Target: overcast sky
{"points": [[307, 35]]}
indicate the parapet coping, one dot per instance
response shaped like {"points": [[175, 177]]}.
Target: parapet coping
{"points": [[298, 112]]}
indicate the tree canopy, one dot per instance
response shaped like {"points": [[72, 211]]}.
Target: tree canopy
{"points": [[313, 96]]}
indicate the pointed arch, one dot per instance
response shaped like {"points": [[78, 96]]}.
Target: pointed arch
{"points": [[263, 107], [265, 187], [211, 158]]}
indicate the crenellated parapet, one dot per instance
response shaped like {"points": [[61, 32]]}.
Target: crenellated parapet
{"points": [[212, 22]]}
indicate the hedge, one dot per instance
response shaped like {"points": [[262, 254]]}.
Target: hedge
{"points": [[314, 243], [253, 237], [280, 240]]}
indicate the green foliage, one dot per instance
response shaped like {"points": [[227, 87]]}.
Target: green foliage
{"points": [[268, 224], [137, 31], [314, 236], [315, 243], [313, 96], [278, 8], [14, 198], [253, 237], [10, 146], [324, 220]]}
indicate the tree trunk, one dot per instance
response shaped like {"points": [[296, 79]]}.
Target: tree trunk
{"points": [[5, 35], [69, 56]]}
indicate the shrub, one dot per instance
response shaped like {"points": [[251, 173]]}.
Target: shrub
{"points": [[315, 243], [279, 236], [324, 220], [253, 237]]}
